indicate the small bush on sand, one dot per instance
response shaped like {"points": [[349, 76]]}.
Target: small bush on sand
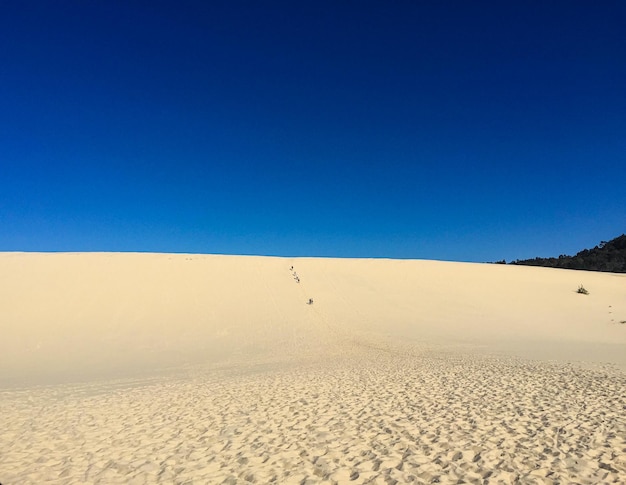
{"points": [[582, 290]]}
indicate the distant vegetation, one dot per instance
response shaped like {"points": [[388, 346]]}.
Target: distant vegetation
{"points": [[606, 256]]}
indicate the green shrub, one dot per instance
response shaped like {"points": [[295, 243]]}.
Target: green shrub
{"points": [[582, 290]]}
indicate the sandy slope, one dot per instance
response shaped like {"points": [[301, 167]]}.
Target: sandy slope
{"points": [[168, 368], [74, 315]]}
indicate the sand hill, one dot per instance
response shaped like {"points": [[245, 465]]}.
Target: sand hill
{"points": [[170, 368]]}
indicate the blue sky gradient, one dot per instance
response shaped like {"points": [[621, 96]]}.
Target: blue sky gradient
{"points": [[471, 131]]}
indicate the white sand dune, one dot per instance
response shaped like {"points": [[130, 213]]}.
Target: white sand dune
{"points": [[71, 315], [171, 368]]}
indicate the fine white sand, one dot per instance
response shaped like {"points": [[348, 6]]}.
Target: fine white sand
{"points": [[163, 368]]}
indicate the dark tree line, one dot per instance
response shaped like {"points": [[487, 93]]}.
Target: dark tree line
{"points": [[606, 256]]}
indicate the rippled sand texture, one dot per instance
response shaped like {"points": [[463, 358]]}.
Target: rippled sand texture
{"points": [[377, 418]]}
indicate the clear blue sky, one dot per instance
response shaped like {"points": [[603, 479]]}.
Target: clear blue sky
{"points": [[470, 131]]}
